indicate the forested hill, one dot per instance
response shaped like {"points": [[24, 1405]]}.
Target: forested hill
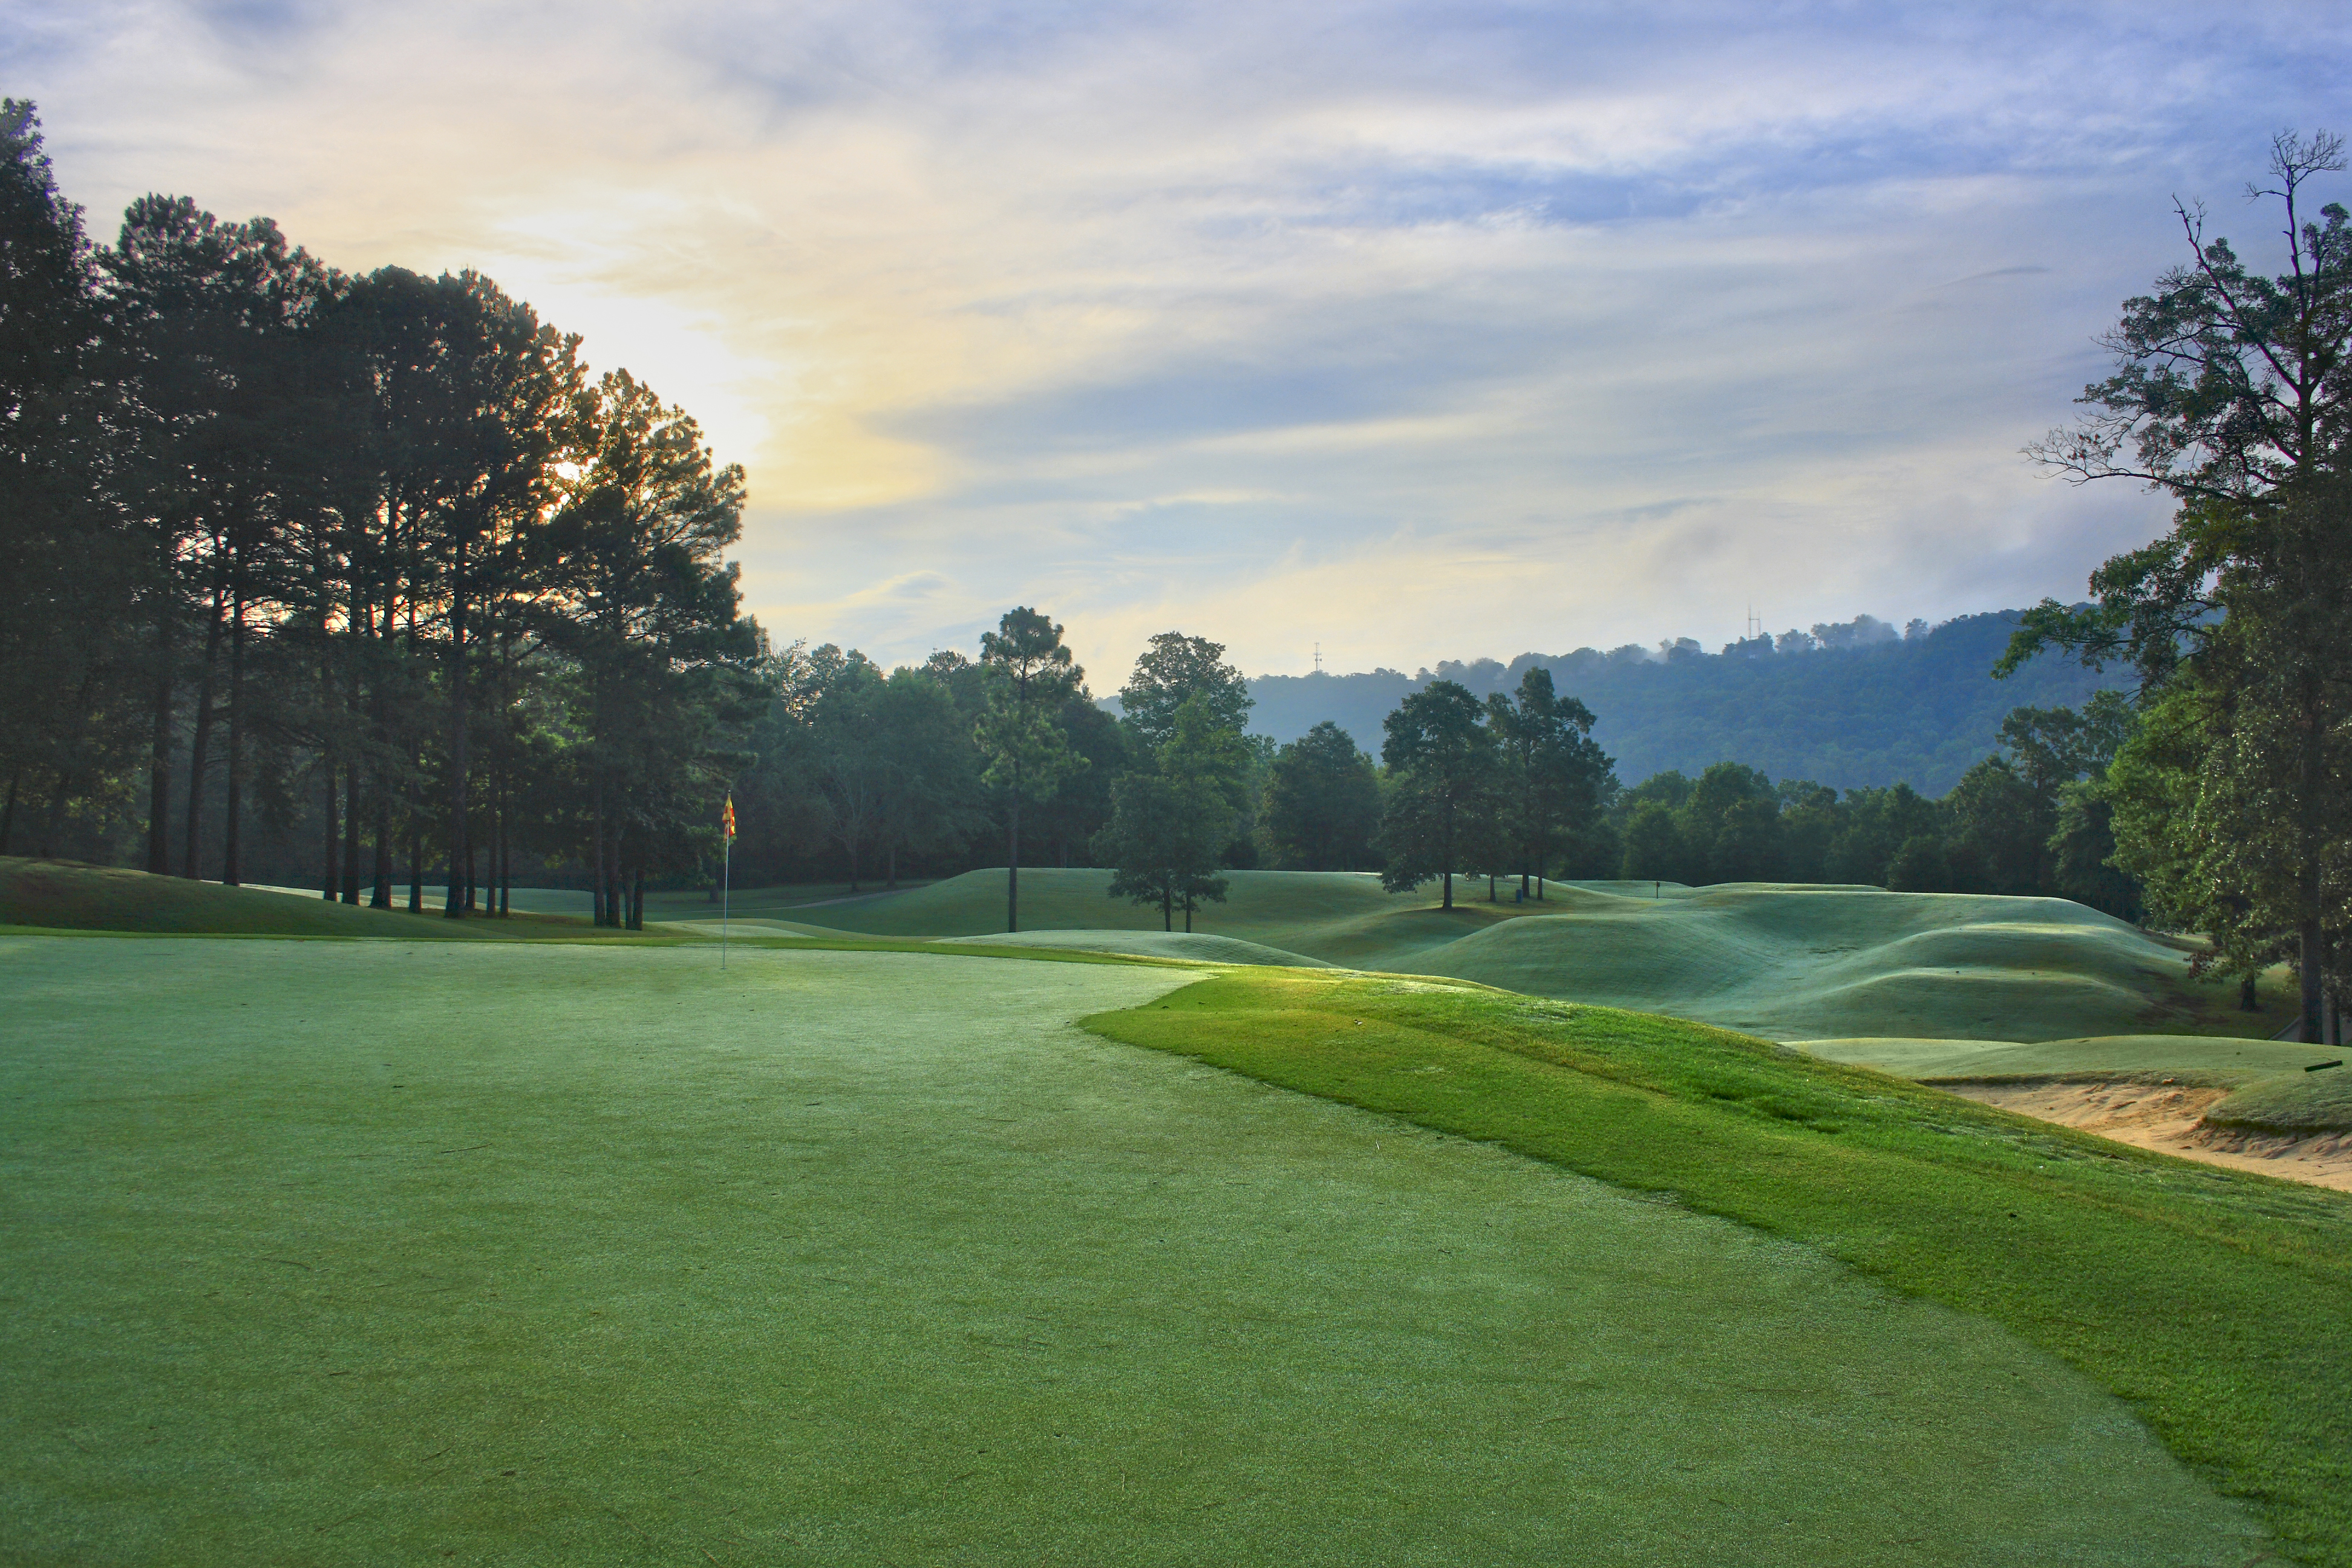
{"points": [[1851, 705]]}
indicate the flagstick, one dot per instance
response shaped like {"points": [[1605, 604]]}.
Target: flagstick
{"points": [[726, 890]]}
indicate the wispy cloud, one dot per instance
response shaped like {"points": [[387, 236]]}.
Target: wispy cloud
{"points": [[1419, 331]]}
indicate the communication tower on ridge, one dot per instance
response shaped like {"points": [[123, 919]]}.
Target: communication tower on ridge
{"points": [[1318, 659], [1755, 623]]}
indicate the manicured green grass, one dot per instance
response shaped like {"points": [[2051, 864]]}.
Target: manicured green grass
{"points": [[765, 903], [570, 1252], [1340, 917], [1787, 963], [2219, 1303], [2297, 1105], [68, 896], [1790, 962], [2191, 1059], [1195, 946]]}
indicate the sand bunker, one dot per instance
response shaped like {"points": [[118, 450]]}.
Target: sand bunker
{"points": [[2168, 1118]]}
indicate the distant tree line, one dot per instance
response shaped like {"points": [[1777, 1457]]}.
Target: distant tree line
{"points": [[2030, 821]]}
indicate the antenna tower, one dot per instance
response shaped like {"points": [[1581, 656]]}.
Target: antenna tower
{"points": [[1755, 623], [1318, 659]]}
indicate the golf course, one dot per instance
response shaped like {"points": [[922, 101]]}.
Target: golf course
{"points": [[361, 1243]]}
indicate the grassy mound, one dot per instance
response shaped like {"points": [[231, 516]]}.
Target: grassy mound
{"points": [[567, 1253], [1193, 945], [1808, 962], [2299, 1105], [2214, 1300], [2224, 1063], [63, 895], [1788, 962]]}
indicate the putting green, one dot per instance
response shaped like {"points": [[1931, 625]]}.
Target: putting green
{"points": [[371, 1252]]}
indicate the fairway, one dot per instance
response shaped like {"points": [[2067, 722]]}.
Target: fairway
{"points": [[562, 1254]]}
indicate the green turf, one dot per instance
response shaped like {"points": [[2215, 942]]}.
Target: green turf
{"points": [[2216, 1301], [1339, 917], [575, 1254], [2191, 1059], [1194, 945], [1788, 962], [2296, 1105], [67, 895]]}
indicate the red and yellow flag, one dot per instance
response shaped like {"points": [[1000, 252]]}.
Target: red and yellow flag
{"points": [[726, 820]]}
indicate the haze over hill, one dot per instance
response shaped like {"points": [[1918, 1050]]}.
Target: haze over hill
{"points": [[1851, 705]]}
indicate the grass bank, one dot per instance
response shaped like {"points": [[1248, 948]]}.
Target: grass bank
{"points": [[65, 895], [2217, 1304]]}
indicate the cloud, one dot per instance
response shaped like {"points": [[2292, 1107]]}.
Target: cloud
{"points": [[1424, 331]]}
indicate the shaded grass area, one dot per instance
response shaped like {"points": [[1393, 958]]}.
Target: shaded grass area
{"points": [[2191, 1059], [2219, 1303], [575, 1254], [65, 895], [1788, 962]]}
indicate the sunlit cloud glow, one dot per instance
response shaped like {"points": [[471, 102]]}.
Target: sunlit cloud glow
{"points": [[1418, 332]]}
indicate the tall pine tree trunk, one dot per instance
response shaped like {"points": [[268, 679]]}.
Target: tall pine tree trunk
{"points": [[200, 738], [330, 882], [9, 811], [596, 856], [1445, 841], [1012, 856], [233, 810], [2312, 943], [352, 835], [159, 754], [460, 835], [380, 889]]}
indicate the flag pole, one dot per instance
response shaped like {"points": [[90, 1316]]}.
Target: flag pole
{"points": [[726, 872]]}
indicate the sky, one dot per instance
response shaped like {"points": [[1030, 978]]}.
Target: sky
{"points": [[1410, 332]]}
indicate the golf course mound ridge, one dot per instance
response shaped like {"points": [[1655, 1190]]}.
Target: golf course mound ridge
{"points": [[1812, 962], [1196, 945], [67, 895], [1783, 961]]}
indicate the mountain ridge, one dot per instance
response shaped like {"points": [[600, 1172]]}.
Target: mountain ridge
{"points": [[1851, 705]]}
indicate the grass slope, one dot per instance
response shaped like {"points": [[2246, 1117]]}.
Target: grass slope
{"points": [[2216, 1302], [1791, 963], [69, 896], [1338, 916], [577, 1254], [2221, 1063], [1194, 946], [1788, 962], [2299, 1105]]}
